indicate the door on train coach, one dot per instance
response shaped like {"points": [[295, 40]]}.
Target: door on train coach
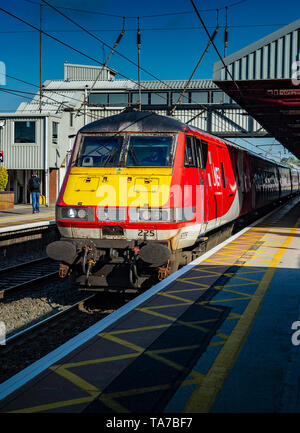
{"points": [[195, 184], [215, 187]]}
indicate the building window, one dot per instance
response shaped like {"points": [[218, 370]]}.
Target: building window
{"points": [[98, 98], [71, 120], [184, 99], [24, 132], [199, 97], [159, 98], [118, 98], [109, 98], [54, 132], [144, 98], [220, 98]]}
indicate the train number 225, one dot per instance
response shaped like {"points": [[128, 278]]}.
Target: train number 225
{"points": [[146, 233]]}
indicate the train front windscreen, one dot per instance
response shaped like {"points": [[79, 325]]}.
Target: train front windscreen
{"points": [[124, 150]]}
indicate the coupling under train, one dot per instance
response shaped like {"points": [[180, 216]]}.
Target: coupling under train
{"points": [[142, 191]]}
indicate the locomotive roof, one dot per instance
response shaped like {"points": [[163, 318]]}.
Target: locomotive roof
{"points": [[135, 121], [147, 121]]}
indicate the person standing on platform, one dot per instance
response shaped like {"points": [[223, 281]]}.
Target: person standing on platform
{"points": [[34, 188]]}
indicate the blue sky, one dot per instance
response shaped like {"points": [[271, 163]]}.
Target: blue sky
{"points": [[169, 51], [171, 44]]}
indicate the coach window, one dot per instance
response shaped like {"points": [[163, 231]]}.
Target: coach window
{"points": [[24, 132], [190, 160], [204, 151], [201, 152], [223, 175]]}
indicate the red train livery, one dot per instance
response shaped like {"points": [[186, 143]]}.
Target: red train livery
{"points": [[143, 190]]}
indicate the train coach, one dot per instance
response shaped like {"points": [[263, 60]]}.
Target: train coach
{"points": [[143, 191]]}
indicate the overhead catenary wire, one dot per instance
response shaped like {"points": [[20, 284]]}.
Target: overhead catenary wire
{"points": [[166, 14], [138, 43], [102, 42], [105, 64], [55, 102], [40, 105], [67, 45], [117, 52], [216, 49], [226, 32], [151, 29], [195, 69], [80, 52]]}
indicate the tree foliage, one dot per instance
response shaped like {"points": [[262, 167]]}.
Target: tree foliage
{"points": [[3, 178]]}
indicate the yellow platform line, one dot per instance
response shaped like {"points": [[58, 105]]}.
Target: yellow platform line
{"points": [[236, 285], [206, 275], [108, 401], [217, 343], [224, 289], [242, 278], [189, 281], [135, 391], [204, 396], [152, 354], [244, 298], [187, 290], [229, 255], [141, 329], [98, 360], [125, 343], [253, 270], [54, 405], [75, 379], [173, 319], [161, 307], [27, 218], [178, 298]]}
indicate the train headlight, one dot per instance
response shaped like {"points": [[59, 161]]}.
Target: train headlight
{"points": [[162, 215], [72, 213], [82, 213], [155, 214], [145, 215]]}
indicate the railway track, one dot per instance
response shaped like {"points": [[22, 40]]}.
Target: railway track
{"points": [[29, 344], [32, 330], [26, 274]]}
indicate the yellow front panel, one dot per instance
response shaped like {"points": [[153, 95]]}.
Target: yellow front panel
{"points": [[108, 186]]}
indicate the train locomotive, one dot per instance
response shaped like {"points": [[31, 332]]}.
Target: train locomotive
{"points": [[142, 192]]}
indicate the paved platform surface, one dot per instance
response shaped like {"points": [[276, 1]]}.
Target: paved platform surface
{"points": [[214, 337], [22, 214]]}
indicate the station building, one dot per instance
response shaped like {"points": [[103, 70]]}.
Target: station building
{"points": [[40, 134]]}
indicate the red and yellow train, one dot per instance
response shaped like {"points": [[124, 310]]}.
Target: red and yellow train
{"points": [[143, 190]]}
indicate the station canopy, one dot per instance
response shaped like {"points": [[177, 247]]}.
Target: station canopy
{"points": [[264, 79]]}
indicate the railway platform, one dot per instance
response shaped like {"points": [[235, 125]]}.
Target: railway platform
{"points": [[219, 335], [22, 214]]}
